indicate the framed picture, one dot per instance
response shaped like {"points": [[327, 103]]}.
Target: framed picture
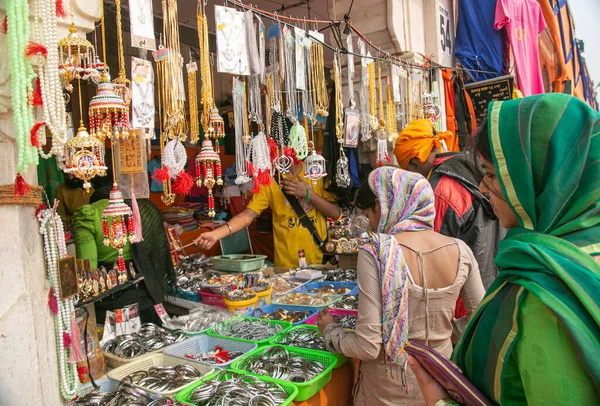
{"points": [[80, 267], [130, 153], [351, 128], [67, 277]]}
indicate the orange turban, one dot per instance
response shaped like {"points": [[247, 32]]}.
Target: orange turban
{"points": [[417, 140]]}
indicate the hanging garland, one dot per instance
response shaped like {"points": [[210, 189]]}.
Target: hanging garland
{"points": [[22, 75], [67, 333]]}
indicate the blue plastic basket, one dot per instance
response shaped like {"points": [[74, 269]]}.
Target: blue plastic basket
{"points": [[273, 307], [205, 343], [353, 286]]}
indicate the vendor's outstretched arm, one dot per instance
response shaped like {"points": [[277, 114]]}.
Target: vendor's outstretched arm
{"points": [[244, 219]]}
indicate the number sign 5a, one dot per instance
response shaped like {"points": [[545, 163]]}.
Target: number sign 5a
{"points": [[445, 32]]}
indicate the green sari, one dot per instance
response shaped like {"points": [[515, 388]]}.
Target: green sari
{"points": [[536, 334]]}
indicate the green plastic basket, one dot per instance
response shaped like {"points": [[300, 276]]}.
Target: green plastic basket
{"points": [[306, 390], [340, 359], [184, 395], [264, 342]]}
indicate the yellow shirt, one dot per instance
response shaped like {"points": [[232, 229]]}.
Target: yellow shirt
{"points": [[288, 234]]}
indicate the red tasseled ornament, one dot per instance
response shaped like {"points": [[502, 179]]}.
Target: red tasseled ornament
{"points": [[67, 236], [256, 186], [76, 347], [21, 186], [264, 178], [291, 152], [82, 372], [5, 25], [40, 208], [52, 303], [34, 133], [161, 175], [66, 339], [35, 48], [183, 184], [61, 12], [36, 95], [250, 168], [272, 149]]}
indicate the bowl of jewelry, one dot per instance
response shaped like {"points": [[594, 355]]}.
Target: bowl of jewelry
{"points": [[330, 288], [249, 329], [292, 314], [219, 284], [317, 300], [349, 302], [213, 351]]}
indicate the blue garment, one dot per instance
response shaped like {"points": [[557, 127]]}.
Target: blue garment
{"points": [[478, 45], [152, 166]]}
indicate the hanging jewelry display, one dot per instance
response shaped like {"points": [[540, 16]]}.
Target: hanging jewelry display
{"points": [[22, 75], [55, 116], [173, 161], [117, 225], [142, 94], [84, 154], [291, 99], [122, 84], [252, 45], [342, 173], [280, 134], [142, 24], [431, 110], [109, 115], [373, 122], [382, 147], [208, 172], [232, 54], [76, 58], [259, 161], [300, 64], [401, 107], [274, 91], [307, 105], [67, 335], [192, 68], [350, 67], [238, 93], [390, 108], [254, 101], [351, 116], [319, 83], [299, 141], [169, 74], [365, 120], [262, 50]]}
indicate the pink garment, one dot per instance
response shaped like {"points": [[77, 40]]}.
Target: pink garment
{"points": [[523, 20]]}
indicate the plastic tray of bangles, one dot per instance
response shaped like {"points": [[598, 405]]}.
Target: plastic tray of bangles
{"points": [[212, 351], [292, 314], [119, 393], [149, 339], [340, 275], [335, 288], [248, 329], [227, 387], [349, 302], [317, 300], [344, 318], [160, 374]]}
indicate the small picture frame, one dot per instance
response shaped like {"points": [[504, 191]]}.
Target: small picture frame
{"points": [[351, 128], [80, 267], [67, 277]]}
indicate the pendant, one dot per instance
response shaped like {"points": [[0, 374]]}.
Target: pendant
{"points": [[283, 164], [132, 272], [342, 174]]}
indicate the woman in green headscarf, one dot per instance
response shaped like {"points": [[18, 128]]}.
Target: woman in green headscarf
{"points": [[535, 338]]}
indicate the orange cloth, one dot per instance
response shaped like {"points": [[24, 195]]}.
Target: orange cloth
{"points": [[338, 392], [417, 140]]}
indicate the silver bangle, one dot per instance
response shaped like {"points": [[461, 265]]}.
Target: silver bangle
{"points": [[230, 229]]}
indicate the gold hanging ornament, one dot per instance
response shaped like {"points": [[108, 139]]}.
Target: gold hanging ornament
{"points": [[392, 125], [320, 99], [117, 224], [192, 68], [109, 115], [76, 58], [208, 172]]}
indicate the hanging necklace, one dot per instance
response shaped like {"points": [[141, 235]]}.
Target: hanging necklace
{"points": [[143, 95], [373, 123], [55, 116], [123, 88], [192, 68], [290, 78], [238, 92], [392, 125], [342, 175], [320, 99], [382, 154], [365, 121], [254, 102]]}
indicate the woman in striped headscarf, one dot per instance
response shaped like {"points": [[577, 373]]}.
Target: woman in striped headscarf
{"points": [[409, 278], [535, 339]]}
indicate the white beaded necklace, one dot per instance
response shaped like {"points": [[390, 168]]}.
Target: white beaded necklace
{"points": [[55, 115], [55, 247]]}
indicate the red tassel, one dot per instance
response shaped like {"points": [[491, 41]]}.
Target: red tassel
{"points": [[272, 149], [21, 186], [35, 48], [61, 12], [256, 186], [5, 25], [265, 178], [161, 174], [183, 184], [291, 152], [76, 352], [66, 339], [82, 372], [34, 134], [52, 303], [36, 95], [40, 208], [250, 168]]}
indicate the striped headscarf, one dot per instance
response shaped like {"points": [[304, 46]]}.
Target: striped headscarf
{"points": [[546, 152], [406, 201]]}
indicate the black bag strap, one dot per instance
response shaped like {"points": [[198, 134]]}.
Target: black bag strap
{"points": [[304, 219]]}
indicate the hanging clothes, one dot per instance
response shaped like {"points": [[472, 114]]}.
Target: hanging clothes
{"points": [[460, 114], [524, 21], [478, 45]]}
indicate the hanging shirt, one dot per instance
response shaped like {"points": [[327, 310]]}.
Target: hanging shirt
{"points": [[524, 21], [478, 45], [289, 235]]}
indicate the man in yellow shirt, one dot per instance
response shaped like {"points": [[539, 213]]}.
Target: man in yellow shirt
{"points": [[288, 233]]}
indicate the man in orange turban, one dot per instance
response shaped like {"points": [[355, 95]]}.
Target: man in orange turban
{"points": [[418, 145]]}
